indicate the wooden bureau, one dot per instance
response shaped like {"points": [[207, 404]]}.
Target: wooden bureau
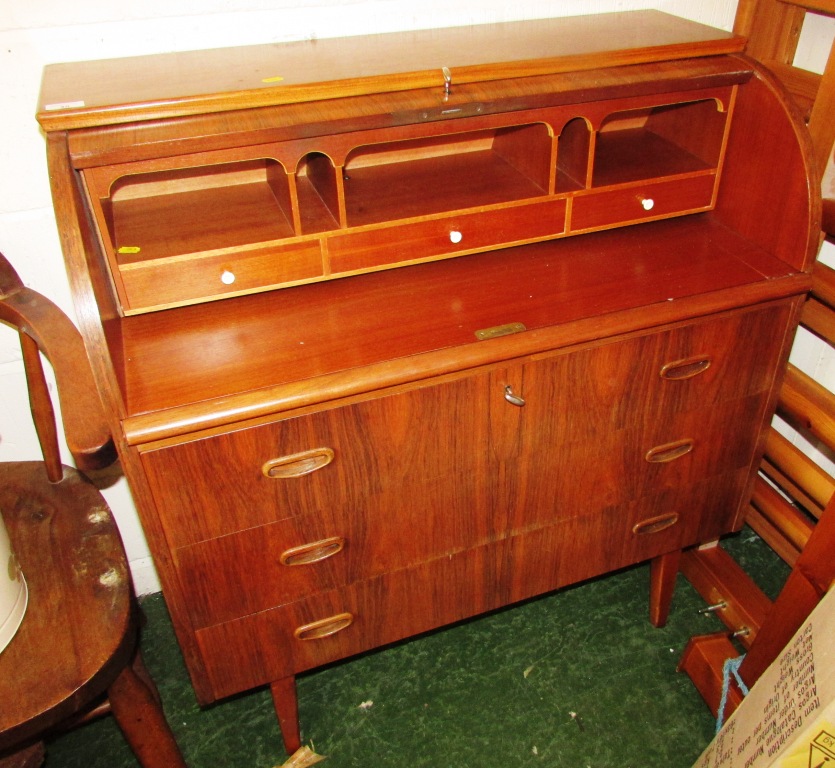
{"points": [[397, 330]]}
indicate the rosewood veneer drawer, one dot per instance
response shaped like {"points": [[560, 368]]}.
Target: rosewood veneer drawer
{"points": [[415, 521], [448, 236], [711, 362], [183, 279], [283, 562], [641, 202], [342, 622], [328, 463], [541, 479], [586, 394]]}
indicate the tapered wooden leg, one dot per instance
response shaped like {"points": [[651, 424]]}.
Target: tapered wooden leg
{"points": [[31, 757], [287, 708], [143, 723], [662, 574]]}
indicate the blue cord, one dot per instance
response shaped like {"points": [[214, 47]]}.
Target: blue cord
{"points": [[730, 667]]}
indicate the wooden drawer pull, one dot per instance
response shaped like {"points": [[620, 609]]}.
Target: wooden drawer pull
{"points": [[324, 627], [669, 451], [679, 370], [298, 464], [655, 524], [313, 552]]}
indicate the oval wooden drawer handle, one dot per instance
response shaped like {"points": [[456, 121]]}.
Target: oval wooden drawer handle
{"points": [[297, 464], [316, 551], [669, 451], [655, 524], [324, 627], [679, 370]]}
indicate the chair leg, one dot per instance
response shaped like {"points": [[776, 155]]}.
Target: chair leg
{"points": [[143, 723], [145, 676]]}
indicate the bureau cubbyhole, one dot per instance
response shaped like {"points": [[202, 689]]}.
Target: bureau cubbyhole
{"points": [[657, 142], [184, 211], [573, 156], [420, 177], [317, 189]]}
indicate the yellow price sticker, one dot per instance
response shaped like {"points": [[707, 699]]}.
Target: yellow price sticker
{"points": [[130, 249], [276, 79]]}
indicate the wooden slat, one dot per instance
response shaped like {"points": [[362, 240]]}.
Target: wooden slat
{"points": [[823, 281], [821, 124], [771, 536], [808, 406], [819, 319], [772, 28], [784, 516], [799, 476], [785, 484], [828, 219], [40, 403], [820, 6], [800, 83]]}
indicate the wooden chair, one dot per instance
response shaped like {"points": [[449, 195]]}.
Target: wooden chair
{"points": [[78, 639], [792, 508]]}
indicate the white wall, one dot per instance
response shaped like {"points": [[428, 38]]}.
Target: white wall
{"points": [[46, 31]]}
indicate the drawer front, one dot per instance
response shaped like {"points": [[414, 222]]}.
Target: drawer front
{"points": [[404, 525], [271, 644], [271, 565], [578, 396], [379, 448], [154, 284], [625, 420], [546, 477], [641, 202], [458, 233]]}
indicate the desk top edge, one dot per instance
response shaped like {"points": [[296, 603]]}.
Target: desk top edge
{"points": [[116, 91]]}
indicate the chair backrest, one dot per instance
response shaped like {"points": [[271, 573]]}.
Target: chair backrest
{"points": [[45, 329]]}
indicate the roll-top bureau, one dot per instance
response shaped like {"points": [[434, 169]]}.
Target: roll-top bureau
{"points": [[399, 329]]}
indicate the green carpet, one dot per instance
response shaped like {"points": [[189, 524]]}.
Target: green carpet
{"points": [[575, 679]]}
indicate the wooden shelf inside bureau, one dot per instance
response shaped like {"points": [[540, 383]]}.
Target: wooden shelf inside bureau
{"points": [[416, 178], [665, 141], [173, 213], [632, 155]]}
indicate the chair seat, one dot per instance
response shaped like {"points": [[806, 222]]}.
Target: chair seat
{"points": [[79, 630]]}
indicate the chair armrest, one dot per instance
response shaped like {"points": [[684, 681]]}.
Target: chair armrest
{"points": [[85, 426]]}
